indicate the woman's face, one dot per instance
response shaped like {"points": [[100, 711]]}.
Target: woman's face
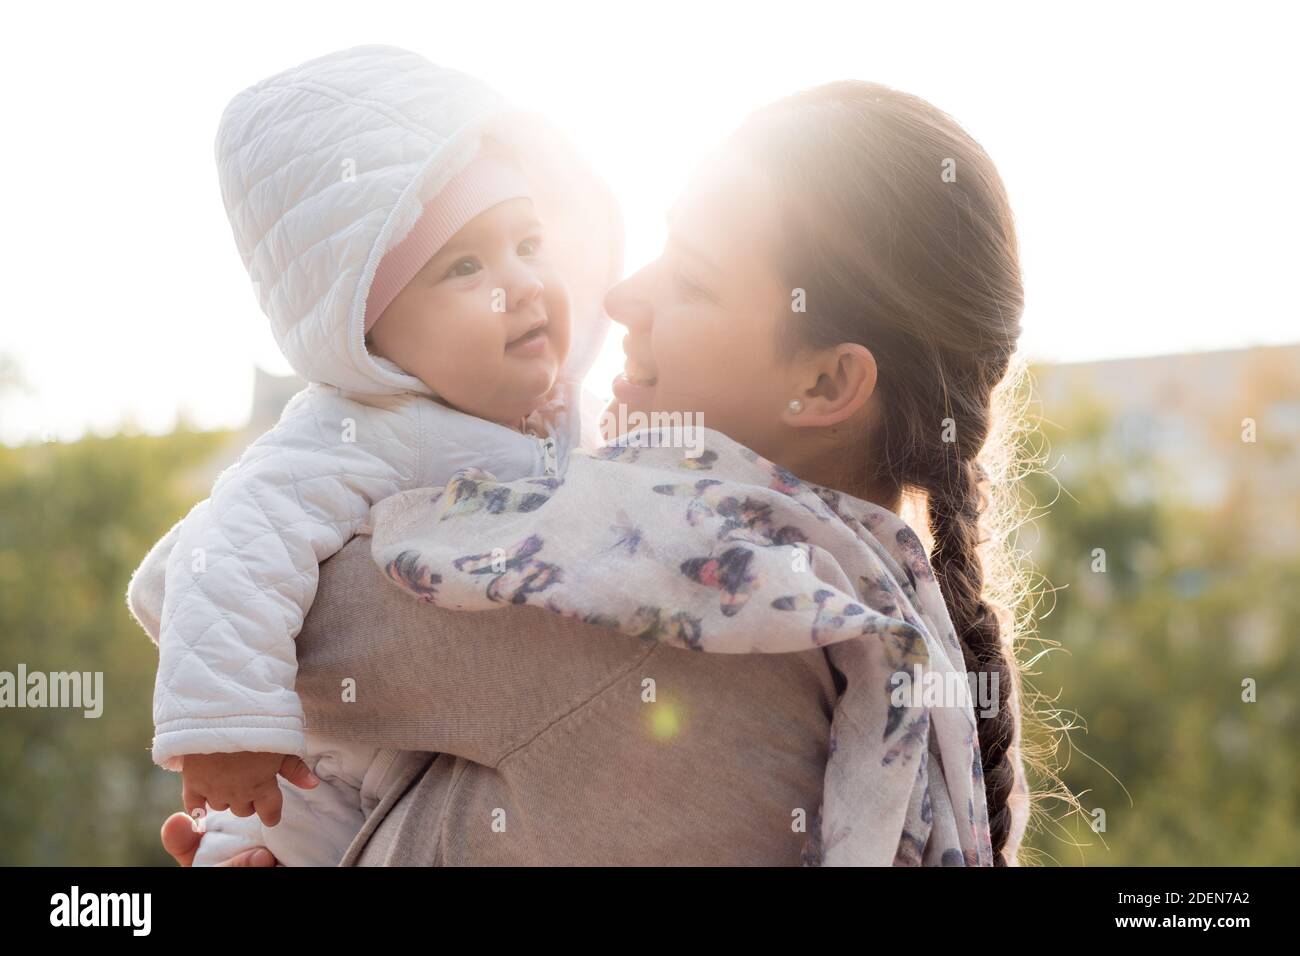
{"points": [[702, 317]]}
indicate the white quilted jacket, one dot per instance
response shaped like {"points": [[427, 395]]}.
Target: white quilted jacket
{"points": [[324, 167]]}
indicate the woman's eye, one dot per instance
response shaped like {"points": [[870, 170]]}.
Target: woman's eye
{"points": [[530, 246], [689, 289], [463, 267]]}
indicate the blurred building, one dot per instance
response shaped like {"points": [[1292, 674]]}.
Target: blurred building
{"points": [[1223, 427]]}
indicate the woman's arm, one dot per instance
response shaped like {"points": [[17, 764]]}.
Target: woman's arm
{"points": [[380, 668]]}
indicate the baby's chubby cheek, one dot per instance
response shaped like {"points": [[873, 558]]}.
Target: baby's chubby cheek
{"points": [[559, 321]]}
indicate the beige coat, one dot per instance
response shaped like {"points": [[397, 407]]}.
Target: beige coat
{"points": [[560, 743]]}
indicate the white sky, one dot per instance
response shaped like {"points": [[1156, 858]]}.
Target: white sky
{"points": [[1148, 150]]}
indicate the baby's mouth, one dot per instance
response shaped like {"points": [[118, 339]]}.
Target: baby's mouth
{"points": [[536, 332]]}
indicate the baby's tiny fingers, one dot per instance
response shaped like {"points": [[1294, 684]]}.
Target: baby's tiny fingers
{"points": [[298, 773], [241, 809], [269, 808], [191, 799]]}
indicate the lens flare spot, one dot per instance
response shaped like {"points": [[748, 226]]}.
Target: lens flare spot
{"points": [[665, 721]]}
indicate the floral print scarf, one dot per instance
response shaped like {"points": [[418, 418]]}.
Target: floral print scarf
{"points": [[726, 552]]}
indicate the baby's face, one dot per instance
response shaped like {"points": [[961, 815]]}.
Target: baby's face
{"points": [[485, 323]]}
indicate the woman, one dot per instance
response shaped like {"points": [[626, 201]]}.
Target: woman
{"points": [[881, 217]]}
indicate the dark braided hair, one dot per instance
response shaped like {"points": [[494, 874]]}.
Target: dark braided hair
{"points": [[897, 227]]}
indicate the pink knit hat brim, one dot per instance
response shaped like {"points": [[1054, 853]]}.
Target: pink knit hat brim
{"points": [[487, 181]]}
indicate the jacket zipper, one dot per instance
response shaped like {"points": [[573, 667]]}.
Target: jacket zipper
{"points": [[548, 454]]}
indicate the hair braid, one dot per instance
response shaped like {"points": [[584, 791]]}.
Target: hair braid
{"points": [[955, 505]]}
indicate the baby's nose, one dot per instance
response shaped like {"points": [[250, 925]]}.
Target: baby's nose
{"points": [[525, 293]]}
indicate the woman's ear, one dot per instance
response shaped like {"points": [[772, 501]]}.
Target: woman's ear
{"points": [[840, 381]]}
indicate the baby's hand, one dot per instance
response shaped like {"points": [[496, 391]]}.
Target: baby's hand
{"points": [[244, 783]]}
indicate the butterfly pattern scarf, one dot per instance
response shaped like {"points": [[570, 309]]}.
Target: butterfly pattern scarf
{"points": [[726, 552]]}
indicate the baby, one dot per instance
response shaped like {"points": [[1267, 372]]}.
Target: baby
{"points": [[449, 352]]}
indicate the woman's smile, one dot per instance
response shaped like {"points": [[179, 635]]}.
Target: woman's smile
{"points": [[636, 381], [632, 391]]}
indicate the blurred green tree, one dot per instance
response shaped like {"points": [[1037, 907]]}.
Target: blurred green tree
{"points": [[1153, 651], [75, 520]]}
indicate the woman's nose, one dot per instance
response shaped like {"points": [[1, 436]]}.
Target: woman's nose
{"points": [[627, 304]]}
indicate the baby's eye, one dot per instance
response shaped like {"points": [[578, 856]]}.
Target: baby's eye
{"points": [[463, 267], [530, 246]]}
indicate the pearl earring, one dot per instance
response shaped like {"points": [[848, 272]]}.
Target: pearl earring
{"points": [[795, 406]]}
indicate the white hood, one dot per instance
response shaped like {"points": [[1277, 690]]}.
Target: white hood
{"points": [[326, 166]]}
